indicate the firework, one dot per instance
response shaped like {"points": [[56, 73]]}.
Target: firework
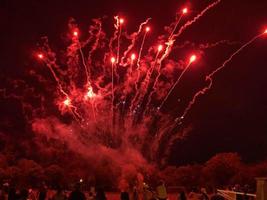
{"points": [[184, 11], [120, 23], [115, 89], [40, 56], [191, 60], [75, 33], [209, 77], [67, 102], [142, 44]]}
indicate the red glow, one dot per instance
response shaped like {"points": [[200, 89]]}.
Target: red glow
{"points": [[112, 60], [133, 56], [192, 58], [121, 20], [185, 10], [160, 47], [265, 32], [75, 33], [66, 102], [40, 56], [90, 94], [147, 29]]}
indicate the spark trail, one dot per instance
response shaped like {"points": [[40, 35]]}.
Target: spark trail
{"points": [[210, 76], [67, 101], [139, 97], [142, 45], [172, 39], [189, 23], [138, 63], [192, 59], [84, 64], [113, 60], [48, 64], [184, 11], [134, 37], [120, 22]]}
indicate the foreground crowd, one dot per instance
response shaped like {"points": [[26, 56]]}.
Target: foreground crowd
{"points": [[144, 193]]}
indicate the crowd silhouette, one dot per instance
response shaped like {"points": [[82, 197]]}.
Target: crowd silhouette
{"points": [[137, 192]]}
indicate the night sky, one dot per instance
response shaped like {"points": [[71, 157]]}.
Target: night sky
{"points": [[230, 118]]}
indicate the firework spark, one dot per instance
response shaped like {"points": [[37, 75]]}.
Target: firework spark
{"points": [[184, 11], [40, 56], [191, 60], [115, 89], [210, 76]]}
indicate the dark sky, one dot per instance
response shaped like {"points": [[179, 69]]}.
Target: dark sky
{"points": [[231, 117]]}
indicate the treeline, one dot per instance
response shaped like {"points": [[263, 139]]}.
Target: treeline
{"points": [[221, 170]]}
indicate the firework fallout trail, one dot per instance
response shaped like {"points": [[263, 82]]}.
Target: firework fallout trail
{"points": [[210, 76]]}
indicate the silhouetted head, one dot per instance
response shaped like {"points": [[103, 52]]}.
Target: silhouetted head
{"points": [[77, 186]]}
